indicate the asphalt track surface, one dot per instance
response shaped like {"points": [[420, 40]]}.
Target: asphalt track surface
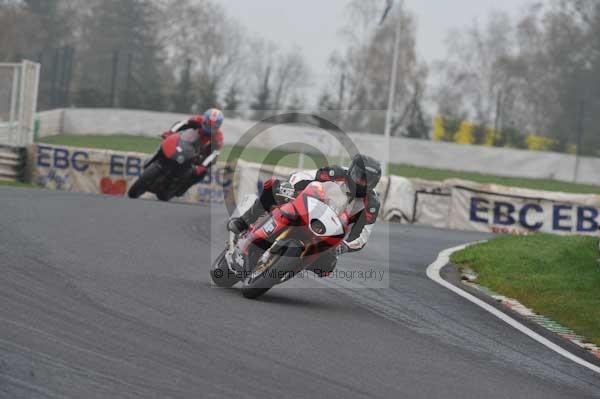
{"points": [[111, 298]]}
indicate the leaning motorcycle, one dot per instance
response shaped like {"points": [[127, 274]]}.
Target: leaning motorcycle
{"points": [[285, 241], [167, 173]]}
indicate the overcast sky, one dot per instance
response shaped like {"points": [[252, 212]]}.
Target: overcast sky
{"points": [[313, 25]]}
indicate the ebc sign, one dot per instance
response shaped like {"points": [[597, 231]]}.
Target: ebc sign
{"points": [[483, 211], [112, 172], [534, 216], [68, 158], [62, 158]]}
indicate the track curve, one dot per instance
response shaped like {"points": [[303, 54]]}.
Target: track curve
{"points": [[110, 298]]}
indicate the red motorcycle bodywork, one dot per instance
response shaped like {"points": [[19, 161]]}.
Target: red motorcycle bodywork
{"points": [[169, 145], [291, 221]]}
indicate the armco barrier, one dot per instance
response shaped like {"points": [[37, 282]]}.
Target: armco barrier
{"points": [[12, 163], [487, 160]]}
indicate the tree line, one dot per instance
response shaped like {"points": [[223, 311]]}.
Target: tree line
{"points": [[168, 55], [529, 81]]}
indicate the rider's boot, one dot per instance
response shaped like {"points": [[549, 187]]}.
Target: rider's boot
{"points": [[240, 224]]}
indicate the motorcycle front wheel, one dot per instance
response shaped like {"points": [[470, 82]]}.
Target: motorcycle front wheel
{"points": [[220, 273], [141, 185], [164, 196], [280, 269]]}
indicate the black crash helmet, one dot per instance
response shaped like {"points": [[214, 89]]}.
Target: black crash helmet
{"points": [[364, 174]]}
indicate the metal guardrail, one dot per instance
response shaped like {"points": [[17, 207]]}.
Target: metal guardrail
{"points": [[12, 163]]}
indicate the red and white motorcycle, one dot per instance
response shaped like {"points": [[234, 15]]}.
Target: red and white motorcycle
{"points": [[285, 241], [165, 174]]}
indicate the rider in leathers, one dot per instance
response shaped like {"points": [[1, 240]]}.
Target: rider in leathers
{"points": [[208, 128], [358, 182]]}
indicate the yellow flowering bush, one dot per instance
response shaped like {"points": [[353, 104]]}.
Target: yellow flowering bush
{"points": [[539, 143], [490, 137], [468, 133], [464, 135], [439, 131]]}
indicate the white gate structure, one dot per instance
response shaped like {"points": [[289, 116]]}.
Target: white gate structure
{"points": [[18, 102]]}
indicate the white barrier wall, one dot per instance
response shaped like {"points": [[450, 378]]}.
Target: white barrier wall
{"points": [[454, 204], [51, 122], [438, 155]]}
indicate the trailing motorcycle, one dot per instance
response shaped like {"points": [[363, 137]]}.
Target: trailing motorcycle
{"points": [[285, 241], [167, 173]]}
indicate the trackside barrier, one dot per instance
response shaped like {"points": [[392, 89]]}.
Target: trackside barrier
{"points": [[109, 172], [407, 151], [509, 210], [12, 163], [454, 204]]}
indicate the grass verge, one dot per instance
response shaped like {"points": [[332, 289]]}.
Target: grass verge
{"points": [[148, 145], [558, 277], [16, 184]]}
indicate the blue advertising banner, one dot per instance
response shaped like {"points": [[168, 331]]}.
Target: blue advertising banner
{"points": [[112, 173], [508, 210]]}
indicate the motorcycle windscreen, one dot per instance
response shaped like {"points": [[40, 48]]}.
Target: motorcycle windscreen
{"points": [[323, 220], [189, 141]]}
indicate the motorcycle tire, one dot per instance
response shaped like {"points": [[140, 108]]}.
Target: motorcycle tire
{"points": [[254, 287], [172, 191], [220, 273], [144, 181], [164, 196]]}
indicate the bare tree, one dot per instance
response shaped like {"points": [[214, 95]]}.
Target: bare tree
{"points": [[473, 72], [121, 57], [262, 103], [291, 72], [43, 31], [200, 31], [536, 75], [365, 67], [232, 101]]}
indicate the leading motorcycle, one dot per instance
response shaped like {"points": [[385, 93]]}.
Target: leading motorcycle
{"points": [[167, 172], [288, 239]]}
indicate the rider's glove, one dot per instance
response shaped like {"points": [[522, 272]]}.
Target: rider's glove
{"points": [[200, 170], [342, 248], [166, 134], [237, 225]]}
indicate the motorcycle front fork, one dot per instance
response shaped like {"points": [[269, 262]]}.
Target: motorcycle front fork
{"points": [[235, 260]]}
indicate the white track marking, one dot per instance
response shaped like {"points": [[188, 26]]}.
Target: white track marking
{"points": [[433, 272]]}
